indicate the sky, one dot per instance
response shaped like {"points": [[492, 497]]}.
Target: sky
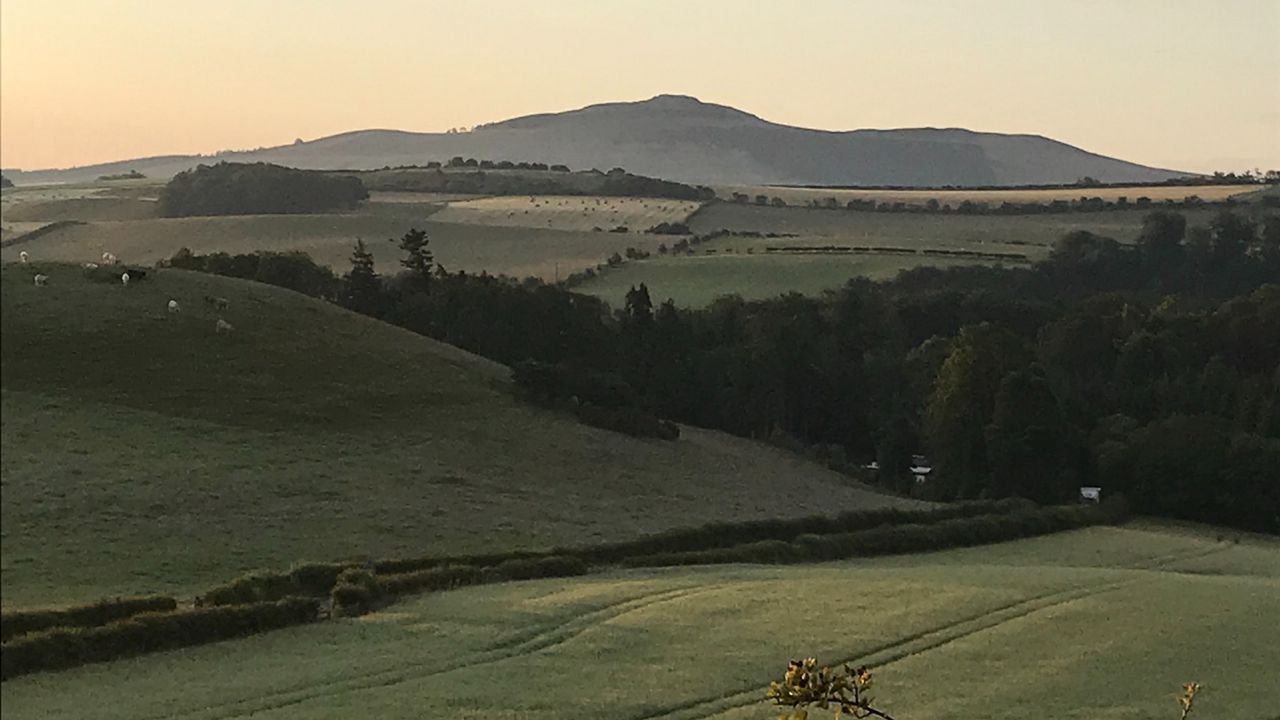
{"points": [[1184, 84]]}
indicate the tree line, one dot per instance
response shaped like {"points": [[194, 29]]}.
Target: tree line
{"points": [[258, 188]]}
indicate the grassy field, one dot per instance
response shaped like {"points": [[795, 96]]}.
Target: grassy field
{"points": [[140, 451], [1102, 623], [696, 281], [568, 212], [801, 196]]}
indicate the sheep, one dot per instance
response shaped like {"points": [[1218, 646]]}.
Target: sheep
{"points": [[42, 280], [222, 327], [173, 307], [23, 257], [89, 266], [124, 279], [109, 259], [219, 303]]}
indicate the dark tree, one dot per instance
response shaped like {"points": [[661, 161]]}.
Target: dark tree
{"points": [[417, 259], [362, 288]]}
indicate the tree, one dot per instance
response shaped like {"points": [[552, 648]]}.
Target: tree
{"points": [[418, 259], [1025, 441], [362, 288], [1160, 241], [1232, 235]]}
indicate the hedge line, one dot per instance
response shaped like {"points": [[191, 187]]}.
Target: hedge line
{"points": [[65, 647], [893, 539], [717, 535], [315, 579], [20, 622]]}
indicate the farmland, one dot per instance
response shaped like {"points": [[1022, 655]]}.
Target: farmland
{"points": [[582, 214], [141, 452], [1158, 193], [1001, 631]]}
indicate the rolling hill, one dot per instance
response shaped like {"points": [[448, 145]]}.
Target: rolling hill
{"points": [[141, 451], [682, 138]]}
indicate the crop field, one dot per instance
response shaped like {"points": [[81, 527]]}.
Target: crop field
{"points": [[142, 452], [329, 238], [696, 281], [569, 212], [801, 196], [1095, 623]]}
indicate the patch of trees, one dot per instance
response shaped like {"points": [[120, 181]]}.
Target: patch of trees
{"points": [[5, 182], [131, 175], [670, 228], [293, 270], [970, 207], [258, 188]]}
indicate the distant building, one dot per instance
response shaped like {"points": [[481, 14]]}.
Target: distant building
{"points": [[1091, 494]]}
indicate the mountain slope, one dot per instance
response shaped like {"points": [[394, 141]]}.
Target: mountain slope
{"points": [[681, 138], [141, 451]]}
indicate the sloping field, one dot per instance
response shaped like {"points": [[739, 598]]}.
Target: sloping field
{"points": [[569, 212], [1097, 623], [140, 451], [517, 251], [801, 196]]}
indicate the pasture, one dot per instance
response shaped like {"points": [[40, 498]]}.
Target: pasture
{"points": [[142, 452], [802, 196], [568, 212], [1096, 623]]}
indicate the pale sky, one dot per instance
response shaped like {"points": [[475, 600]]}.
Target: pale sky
{"points": [[1185, 84]]}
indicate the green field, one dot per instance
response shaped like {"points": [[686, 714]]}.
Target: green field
{"points": [[1101, 623], [141, 452]]}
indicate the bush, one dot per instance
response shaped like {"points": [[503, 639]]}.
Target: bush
{"points": [[444, 577], [543, 567], [355, 592], [63, 647], [19, 622]]}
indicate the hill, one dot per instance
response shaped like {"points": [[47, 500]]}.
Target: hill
{"points": [[141, 451], [1097, 623], [684, 139]]}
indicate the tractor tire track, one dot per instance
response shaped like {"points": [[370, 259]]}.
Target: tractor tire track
{"points": [[544, 638]]}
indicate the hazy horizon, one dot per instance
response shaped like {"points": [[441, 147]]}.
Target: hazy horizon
{"points": [[1181, 85]]}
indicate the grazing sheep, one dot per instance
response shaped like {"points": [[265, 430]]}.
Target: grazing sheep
{"points": [[222, 327], [109, 259], [89, 266], [23, 257], [124, 279], [220, 303], [173, 306], [42, 280]]}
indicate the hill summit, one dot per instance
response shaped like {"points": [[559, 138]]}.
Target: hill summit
{"points": [[678, 137]]}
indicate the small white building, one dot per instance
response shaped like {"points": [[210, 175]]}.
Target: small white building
{"points": [[1090, 494]]}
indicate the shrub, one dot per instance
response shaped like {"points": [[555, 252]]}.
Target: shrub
{"points": [[543, 567], [355, 592], [444, 577], [64, 647], [19, 622]]}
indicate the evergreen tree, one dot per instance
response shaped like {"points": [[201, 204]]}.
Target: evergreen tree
{"points": [[362, 288], [418, 259]]}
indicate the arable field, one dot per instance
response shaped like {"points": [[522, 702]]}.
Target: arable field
{"points": [[142, 452], [801, 196], [568, 212], [1096, 623]]}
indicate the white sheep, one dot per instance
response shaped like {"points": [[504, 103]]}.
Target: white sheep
{"points": [[173, 306], [109, 259], [222, 327], [23, 257], [89, 266], [124, 279], [42, 280]]}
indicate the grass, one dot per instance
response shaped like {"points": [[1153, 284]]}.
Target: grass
{"points": [[141, 452], [800, 196], [516, 251], [1096, 623], [568, 212]]}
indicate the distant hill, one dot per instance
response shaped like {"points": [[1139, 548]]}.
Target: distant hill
{"points": [[684, 139]]}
